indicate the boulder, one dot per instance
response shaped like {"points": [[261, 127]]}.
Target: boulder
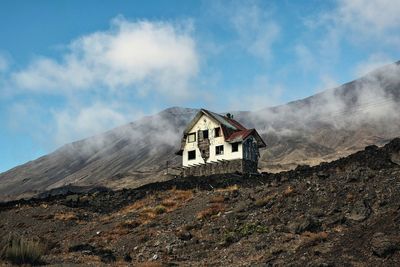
{"points": [[382, 245]]}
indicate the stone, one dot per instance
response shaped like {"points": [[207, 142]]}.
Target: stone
{"points": [[382, 245], [305, 224], [359, 212]]}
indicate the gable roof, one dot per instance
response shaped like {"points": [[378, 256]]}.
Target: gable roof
{"points": [[219, 119], [233, 131]]}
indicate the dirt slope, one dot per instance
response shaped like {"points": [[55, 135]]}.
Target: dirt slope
{"points": [[343, 213]]}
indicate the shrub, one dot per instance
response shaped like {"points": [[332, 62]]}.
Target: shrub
{"points": [[19, 250], [210, 211], [160, 209], [249, 229]]}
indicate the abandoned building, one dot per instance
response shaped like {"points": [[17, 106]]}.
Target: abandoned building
{"points": [[213, 144]]}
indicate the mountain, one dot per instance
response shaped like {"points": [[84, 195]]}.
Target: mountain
{"points": [[323, 127], [342, 213]]}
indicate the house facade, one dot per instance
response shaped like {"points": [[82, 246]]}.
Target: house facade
{"points": [[213, 143]]}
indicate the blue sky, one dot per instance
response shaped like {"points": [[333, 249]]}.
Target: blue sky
{"points": [[71, 69]]}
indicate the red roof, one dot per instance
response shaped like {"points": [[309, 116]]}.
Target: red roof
{"points": [[239, 135]]}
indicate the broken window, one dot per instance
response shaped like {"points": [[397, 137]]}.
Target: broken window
{"points": [[217, 132], [235, 147], [192, 154], [205, 134], [191, 137], [202, 134], [219, 150]]}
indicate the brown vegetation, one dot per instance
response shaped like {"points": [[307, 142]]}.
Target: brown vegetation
{"points": [[210, 211]]}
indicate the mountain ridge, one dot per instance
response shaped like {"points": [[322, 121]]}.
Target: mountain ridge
{"points": [[323, 127]]}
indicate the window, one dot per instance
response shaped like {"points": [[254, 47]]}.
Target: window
{"points": [[192, 154], [219, 150], [217, 132], [191, 138], [205, 134], [202, 134], [235, 147]]}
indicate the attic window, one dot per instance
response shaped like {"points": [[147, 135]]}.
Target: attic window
{"points": [[235, 147], [217, 132], [205, 134], [202, 134], [192, 155], [191, 137], [219, 150]]}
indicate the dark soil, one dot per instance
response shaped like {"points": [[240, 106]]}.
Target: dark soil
{"points": [[343, 213]]}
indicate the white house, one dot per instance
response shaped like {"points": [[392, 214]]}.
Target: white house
{"points": [[211, 138]]}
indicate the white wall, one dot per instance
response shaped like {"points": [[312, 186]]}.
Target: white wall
{"points": [[206, 123]]}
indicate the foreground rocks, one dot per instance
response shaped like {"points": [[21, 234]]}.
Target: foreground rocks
{"points": [[343, 213]]}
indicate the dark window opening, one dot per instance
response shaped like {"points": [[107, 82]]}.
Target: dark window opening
{"points": [[235, 147], [219, 150], [205, 134], [191, 137], [192, 154], [217, 132]]}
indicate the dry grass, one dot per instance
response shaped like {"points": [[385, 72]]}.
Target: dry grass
{"points": [[288, 191], [314, 238], [212, 210], [217, 199], [149, 264], [148, 208], [229, 188], [265, 200], [21, 251], [65, 216]]}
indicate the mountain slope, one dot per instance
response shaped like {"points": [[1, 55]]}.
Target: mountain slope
{"points": [[323, 127]]}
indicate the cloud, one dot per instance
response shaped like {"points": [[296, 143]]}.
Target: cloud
{"points": [[260, 94], [71, 124], [369, 17], [360, 21], [373, 62], [4, 63], [100, 78], [143, 56], [251, 24], [256, 29]]}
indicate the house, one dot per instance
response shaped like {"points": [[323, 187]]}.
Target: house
{"points": [[213, 144]]}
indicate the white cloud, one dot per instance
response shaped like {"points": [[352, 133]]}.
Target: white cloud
{"points": [[262, 93], [361, 21], [4, 64], [370, 16], [372, 63], [72, 124], [146, 56], [256, 29], [252, 24]]}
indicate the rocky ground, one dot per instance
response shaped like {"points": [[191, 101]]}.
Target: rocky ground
{"points": [[342, 213]]}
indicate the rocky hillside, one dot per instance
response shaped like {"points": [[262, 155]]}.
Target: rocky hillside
{"points": [[323, 127], [342, 213]]}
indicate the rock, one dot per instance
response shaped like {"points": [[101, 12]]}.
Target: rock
{"points": [[322, 175], [127, 258], [305, 224], [359, 212], [382, 245], [184, 235], [107, 256], [72, 198]]}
